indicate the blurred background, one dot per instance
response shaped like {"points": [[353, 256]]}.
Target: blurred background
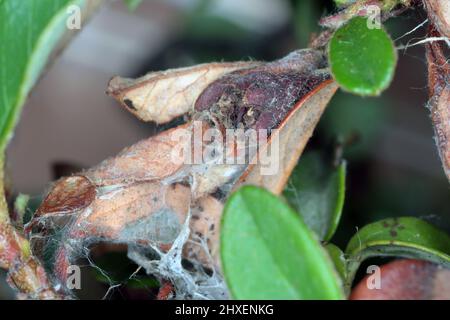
{"points": [[69, 123]]}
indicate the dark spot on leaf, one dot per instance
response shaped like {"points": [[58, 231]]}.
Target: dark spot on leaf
{"points": [[393, 233], [129, 104], [219, 194]]}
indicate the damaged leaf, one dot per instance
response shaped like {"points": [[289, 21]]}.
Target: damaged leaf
{"points": [[401, 237], [148, 160], [362, 60], [144, 196], [291, 139], [68, 195], [162, 96], [267, 252], [316, 191]]}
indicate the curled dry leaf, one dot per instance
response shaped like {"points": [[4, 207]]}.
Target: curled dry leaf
{"points": [[292, 137], [143, 196], [405, 280], [147, 160], [439, 103], [162, 96]]}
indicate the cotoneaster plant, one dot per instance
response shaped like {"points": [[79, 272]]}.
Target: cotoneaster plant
{"points": [[214, 230]]}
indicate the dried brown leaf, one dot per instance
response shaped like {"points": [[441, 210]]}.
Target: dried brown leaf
{"points": [[147, 160], [293, 136], [143, 197], [165, 95]]}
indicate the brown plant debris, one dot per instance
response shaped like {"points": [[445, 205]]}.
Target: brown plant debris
{"points": [[439, 103], [439, 13], [171, 207]]}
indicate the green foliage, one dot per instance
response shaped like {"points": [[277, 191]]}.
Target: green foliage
{"points": [[338, 257], [317, 190], [341, 3], [401, 237], [132, 4], [269, 253], [28, 32], [362, 60]]}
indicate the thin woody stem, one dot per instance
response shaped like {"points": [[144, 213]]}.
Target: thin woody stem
{"points": [[439, 104], [25, 273]]}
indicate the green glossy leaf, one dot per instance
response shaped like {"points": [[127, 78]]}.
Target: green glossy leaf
{"points": [[362, 60], [132, 4], [28, 32], [338, 258], [401, 237], [269, 253], [317, 192]]}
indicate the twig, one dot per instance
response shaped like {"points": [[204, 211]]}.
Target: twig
{"points": [[25, 273], [439, 103]]}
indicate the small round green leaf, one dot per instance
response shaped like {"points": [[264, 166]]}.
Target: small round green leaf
{"points": [[362, 60], [267, 252]]}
